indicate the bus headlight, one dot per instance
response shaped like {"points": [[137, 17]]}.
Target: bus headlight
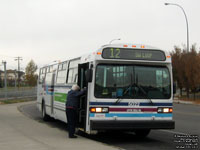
{"points": [[99, 109], [165, 110]]}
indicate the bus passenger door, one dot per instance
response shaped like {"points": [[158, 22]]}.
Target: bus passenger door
{"points": [[52, 91], [83, 100]]}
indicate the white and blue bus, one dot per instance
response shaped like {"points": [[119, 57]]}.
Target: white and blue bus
{"points": [[129, 87]]}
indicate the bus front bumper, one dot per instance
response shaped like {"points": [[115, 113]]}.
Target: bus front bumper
{"points": [[131, 125]]}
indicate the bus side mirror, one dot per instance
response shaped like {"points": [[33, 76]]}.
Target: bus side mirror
{"points": [[89, 75], [174, 88]]}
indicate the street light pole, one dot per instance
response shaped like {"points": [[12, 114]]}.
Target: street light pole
{"points": [[114, 40], [186, 22]]}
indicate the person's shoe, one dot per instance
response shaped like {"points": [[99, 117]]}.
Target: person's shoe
{"points": [[73, 136]]}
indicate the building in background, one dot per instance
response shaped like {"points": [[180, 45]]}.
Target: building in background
{"points": [[12, 75]]}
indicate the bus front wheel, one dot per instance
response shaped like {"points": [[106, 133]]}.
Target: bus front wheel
{"points": [[142, 133]]}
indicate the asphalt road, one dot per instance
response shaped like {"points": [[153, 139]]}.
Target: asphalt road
{"points": [[187, 119]]}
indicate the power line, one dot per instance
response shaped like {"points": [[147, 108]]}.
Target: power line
{"points": [[18, 59]]}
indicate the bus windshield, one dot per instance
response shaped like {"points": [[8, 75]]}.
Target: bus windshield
{"points": [[132, 82]]}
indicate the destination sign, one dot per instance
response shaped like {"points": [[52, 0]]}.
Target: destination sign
{"points": [[133, 54]]}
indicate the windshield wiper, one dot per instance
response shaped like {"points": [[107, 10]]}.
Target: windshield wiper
{"points": [[145, 93], [132, 83], [141, 89], [119, 99]]}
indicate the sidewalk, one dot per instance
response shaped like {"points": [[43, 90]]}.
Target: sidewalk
{"points": [[18, 132], [184, 102]]}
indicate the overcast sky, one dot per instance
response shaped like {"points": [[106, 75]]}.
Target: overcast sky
{"points": [[48, 30]]}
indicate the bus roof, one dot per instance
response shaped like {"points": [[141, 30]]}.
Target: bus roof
{"points": [[129, 45], [97, 55]]}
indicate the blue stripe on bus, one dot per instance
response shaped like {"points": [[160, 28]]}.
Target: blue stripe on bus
{"points": [[126, 104], [156, 104], [133, 115]]}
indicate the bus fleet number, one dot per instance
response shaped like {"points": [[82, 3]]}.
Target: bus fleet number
{"points": [[133, 104]]}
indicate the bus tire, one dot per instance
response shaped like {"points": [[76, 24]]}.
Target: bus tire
{"points": [[45, 117], [142, 133]]}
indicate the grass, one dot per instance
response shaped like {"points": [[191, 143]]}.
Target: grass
{"points": [[11, 101]]}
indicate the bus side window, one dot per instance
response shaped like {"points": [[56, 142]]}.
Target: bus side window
{"points": [[70, 76], [61, 77], [73, 71], [75, 76], [43, 80], [41, 75], [61, 73], [48, 78]]}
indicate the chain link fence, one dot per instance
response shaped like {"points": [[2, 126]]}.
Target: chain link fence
{"points": [[22, 92]]}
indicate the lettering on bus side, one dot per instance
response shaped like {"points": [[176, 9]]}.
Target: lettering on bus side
{"points": [[133, 104]]}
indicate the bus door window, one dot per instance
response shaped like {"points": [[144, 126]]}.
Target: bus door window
{"points": [[82, 75], [83, 101]]}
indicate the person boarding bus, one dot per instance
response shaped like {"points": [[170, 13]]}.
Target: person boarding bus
{"points": [[72, 102]]}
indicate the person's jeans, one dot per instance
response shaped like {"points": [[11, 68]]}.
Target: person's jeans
{"points": [[71, 120]]}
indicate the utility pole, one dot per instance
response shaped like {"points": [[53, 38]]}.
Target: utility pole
{"points": [[15, 80], [5, 78], [18, 59]]}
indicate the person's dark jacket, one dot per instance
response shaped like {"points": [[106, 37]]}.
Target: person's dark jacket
{"points": [[73, 98]]}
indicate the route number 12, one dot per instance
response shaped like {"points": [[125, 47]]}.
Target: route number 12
{"points": [[114, 53]]}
